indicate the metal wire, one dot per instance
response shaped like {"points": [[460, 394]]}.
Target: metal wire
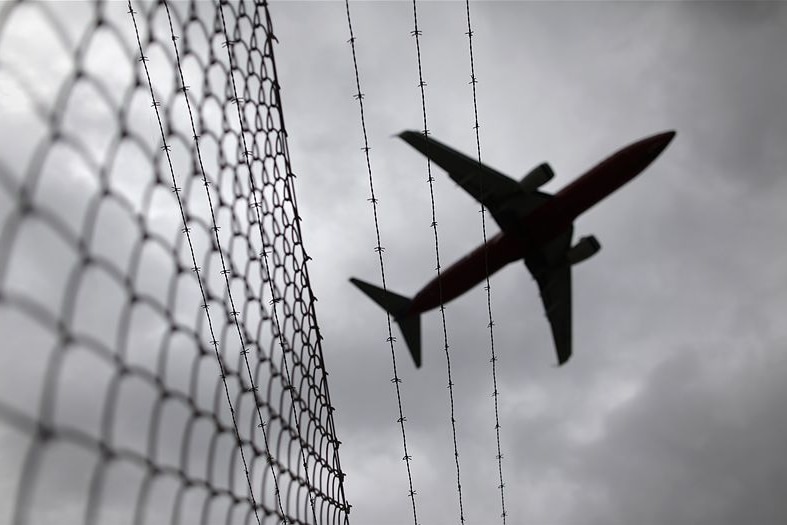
{"points": [[396, 380], [144, 377], [421, 85], [493, 360]]}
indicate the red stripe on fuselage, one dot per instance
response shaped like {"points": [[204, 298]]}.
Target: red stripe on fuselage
{"points": [[468, 271]]}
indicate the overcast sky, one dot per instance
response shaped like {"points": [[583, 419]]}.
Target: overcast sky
{"points": [[671, 410]]}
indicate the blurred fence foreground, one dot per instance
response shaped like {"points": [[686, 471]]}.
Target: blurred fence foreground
{"points": [[160, 359]]}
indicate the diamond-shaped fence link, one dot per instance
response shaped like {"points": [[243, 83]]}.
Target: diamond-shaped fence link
{"points": [[160, 358]]}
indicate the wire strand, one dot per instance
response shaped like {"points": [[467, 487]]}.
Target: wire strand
{"points": [[396, 380], [186, 230], [487, 287], [224, 272], [421, 85], [266, 266]]}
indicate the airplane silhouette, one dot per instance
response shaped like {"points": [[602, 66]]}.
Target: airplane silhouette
{"points": [[536, 227]]}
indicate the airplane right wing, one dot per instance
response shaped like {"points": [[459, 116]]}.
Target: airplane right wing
{"points": [[552, 272], [503, 196], [555, 287]]}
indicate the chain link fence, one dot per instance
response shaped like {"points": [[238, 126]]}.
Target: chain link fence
{"points": [[160, 355]]}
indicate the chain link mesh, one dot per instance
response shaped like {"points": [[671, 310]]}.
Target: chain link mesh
{"points": [[161, 359]]}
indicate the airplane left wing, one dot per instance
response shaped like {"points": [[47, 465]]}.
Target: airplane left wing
{"points": [[486, 185], [502, 195]]}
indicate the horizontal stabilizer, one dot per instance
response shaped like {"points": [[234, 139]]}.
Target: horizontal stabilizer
{"points": [[394, 304], [397, 306]]}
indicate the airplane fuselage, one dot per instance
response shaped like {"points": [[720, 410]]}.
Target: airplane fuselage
{"points": [[542, 225]]}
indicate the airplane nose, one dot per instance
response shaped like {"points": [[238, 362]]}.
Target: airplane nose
{"points": [[659, 142], [668, 136]]}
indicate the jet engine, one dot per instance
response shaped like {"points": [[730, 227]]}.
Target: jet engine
{"points": [[539, 176], [584, 249]]}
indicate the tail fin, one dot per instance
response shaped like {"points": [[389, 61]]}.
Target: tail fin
{"points": [[397, 306]]}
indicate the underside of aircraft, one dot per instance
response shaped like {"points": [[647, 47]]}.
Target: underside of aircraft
{"points": [[536, 227]]}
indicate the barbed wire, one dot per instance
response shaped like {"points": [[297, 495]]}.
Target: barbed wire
{"points": [[187, 231], [396, 380], [266, 266], [126, 397], [487, 287], [416, 33]]}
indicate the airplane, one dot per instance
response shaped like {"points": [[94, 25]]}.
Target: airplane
{"points": [[535, 226]]}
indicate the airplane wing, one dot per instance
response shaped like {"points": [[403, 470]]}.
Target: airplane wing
{"points": [[502, 195], [553, 275], [555, 287]]}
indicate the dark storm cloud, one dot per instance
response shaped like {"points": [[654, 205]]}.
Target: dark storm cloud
{"points": [[698, 444]]}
